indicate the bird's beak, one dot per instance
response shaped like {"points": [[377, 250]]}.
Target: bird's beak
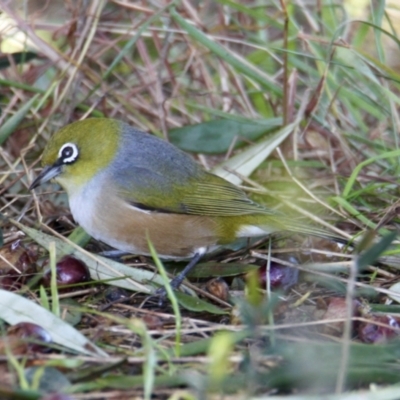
{"points": [[47, 173]]}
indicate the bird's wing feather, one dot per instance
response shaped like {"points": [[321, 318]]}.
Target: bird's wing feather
{"points": [[151, 174], [217, 197], [205, 194]]}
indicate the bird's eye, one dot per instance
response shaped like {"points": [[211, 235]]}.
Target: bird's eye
{"points": [[68, 153]]}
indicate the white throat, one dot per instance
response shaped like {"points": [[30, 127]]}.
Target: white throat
{"points": [[83, 204]]}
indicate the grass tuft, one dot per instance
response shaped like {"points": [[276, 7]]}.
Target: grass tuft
{"points": [[229, 81]]}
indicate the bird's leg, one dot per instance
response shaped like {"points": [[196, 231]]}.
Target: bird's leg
{"points": [[177, 281]]}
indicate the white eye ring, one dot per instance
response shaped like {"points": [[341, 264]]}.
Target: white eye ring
{"points": [[68, 153]]}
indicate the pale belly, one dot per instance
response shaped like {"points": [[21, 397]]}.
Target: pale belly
{"points": [[129, 229]]}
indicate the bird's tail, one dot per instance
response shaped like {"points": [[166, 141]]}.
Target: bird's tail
{"points": [[268, 224]]}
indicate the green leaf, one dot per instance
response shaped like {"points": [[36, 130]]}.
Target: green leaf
{"points": [[127, 48], [221, 347], [198, 305], [19, 58], [356, 171], [372, 254], [385, 308], [12, 123], [114, 381], [246, 162], [79, 237], [307, 365], [71, 311], [170, 294], [213, 269], [218, 136], [15, 308], [200, 346], [233, 59], [46, 379], [10, 393]]}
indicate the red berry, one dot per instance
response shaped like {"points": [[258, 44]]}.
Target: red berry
{"points": [[70, 271], [280, 276], [31, 333], [370, 332]]}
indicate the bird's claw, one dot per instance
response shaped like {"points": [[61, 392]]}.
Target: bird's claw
{"points": [[161, 293]]}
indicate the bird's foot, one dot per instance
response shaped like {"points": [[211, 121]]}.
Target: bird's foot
{"points": [[162, 293]]}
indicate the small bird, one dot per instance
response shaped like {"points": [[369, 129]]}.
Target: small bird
{"points": [[126, 187]]}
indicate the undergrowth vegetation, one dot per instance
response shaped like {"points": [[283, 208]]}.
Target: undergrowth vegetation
{"points": [[297, 102]]}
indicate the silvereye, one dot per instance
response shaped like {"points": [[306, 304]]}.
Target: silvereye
{"points": [[126, 187]]}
